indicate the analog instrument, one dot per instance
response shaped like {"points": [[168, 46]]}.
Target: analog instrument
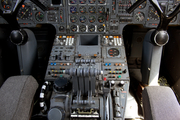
{"points": [[101, 9], [100, 28], [91, 28], [82, 28], [101, 19], [101, 1], [92, 19], [92, 1], [153, 15], [39, 16], [92, 9], [139, 16], [25, 12], [113, 52], [82, 9], [73, 1], [73, 19], [82, 1], [73, 9], [74, 28], [82, 19], [6, 4]]}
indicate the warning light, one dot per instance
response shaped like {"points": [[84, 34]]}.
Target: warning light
{"points": [[23, 6]]}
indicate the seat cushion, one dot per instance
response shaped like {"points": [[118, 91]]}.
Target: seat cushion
{"points": [[17, 94], [160, 103]]}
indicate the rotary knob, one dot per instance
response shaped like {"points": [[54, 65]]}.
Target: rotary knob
{"points": [[56, 113], [62, 85]]}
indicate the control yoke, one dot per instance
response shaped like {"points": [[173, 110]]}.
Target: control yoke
{"points": [[160, 36]]}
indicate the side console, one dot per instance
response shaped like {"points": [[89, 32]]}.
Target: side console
{"points": [[90, 78]]}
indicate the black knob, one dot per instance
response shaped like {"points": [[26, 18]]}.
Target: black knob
{"points": [[62, 85], [18, 37], [161, 38]]}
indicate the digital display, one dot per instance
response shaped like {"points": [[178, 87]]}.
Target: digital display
{"points": [[56, 2]]}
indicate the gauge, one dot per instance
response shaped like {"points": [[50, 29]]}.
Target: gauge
{"points": [[25, 12], [6, 4], [92, 19], [153, 14], [101, 19], [91, 28], [82, 19], [100, 28], [101, 1], [82, 9], [73, 9], [113, 52], [39, 16], [74, 28], [82, 28], [101, 9], [92, 1], [143, 5], [139, 16], [92, 9], [73, 19], [73, 1], [61, 28], [82, 1]]}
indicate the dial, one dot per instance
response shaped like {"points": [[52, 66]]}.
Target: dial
{"points": [[101, 9], [92, 19], [143, 5], [139, 16], [73, 19], [73, 9], [101, 19], [39, 16], [6, 4], [100, 28], [82, 9], [61, 28], [92, 9], [101, 1], [113, 52], [91, 28], [73, 1], [82, 1], [25, 12], [153, 14], [74, 28], [92, 1], [82, 28], [82, 19]]}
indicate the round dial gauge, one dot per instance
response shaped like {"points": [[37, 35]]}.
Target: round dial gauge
{"points": [[113, 52], [74, 28], [92, 9], [82, 1], [143, 5], [92, 1], [73, 19], [73, 1], [82, 9], [153, 14], [39, 16], [6, 4], [101, 9], [139, 16], [92, 19], [25, 12], [101, 1], [82, 28], [73, 9], [82, 19], [100, 28], [91, 28], [101, 19]]}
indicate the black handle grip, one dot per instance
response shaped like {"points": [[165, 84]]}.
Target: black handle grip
{"points": [[135, 5]]}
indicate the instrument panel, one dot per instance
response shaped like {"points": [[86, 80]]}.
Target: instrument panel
{"points": [[89, 16]]}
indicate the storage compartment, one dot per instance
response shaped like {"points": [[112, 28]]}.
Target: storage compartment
{"points": [[88, 40]]}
